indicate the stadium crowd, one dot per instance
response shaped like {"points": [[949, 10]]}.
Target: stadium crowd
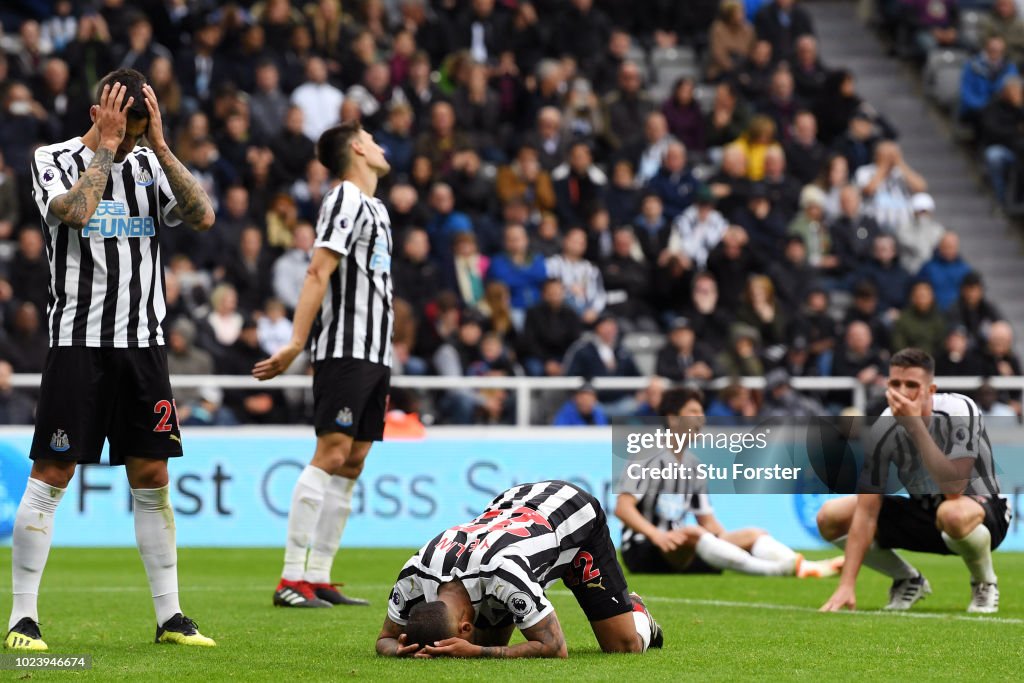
{"points": [[544, 203]]}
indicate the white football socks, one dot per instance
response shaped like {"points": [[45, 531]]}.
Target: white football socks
{"points": [[155, 536], [725, 555], [644, 628], [33, 533], [883, 560], [329, 527], [767, 548], [307, 500], [975, 549]]}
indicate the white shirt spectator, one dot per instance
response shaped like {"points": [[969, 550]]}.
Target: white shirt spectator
{"points": [[890, 205], [696, 236], [321, 107], [273, 334]]}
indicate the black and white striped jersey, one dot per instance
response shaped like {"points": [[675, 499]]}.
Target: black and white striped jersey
{"points": [[106, 281], [519, 545], [958, 429], [356, 317], [666, 503]]}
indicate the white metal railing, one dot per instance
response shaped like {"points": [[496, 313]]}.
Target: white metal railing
{"points": [[525, 387]]}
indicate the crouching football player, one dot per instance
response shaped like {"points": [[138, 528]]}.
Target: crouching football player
{"points": [[656, 538], [467, 589], [943, 457]]}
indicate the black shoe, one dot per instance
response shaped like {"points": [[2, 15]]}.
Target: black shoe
{"points": [[181, 630], [329, 592], [297, 594], [25, 636]]}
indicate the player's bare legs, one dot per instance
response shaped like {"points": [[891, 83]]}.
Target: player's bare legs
{"points": [[619, 634], [909, 586], [960, 521], [321, 504]]}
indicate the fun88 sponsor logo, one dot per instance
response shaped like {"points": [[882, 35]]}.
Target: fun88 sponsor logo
{"points": [[111, 219], [381, 259]]}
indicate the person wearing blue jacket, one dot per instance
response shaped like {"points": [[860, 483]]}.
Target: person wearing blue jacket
{"points": [[983, 78], [521, 270], [581, 410], [945, 271]]}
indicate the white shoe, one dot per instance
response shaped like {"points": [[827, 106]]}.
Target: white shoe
{"points": [[984, 598], [905, 592]]}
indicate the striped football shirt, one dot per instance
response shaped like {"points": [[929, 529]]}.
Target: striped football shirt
{"points": [[106, 281], [356, 317], [505, 558], [666, 503]]}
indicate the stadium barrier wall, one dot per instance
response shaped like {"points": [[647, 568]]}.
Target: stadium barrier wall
{"points": [[233, 487]]}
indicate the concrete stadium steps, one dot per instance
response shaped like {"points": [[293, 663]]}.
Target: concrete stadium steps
{"points": [[963, 202]]}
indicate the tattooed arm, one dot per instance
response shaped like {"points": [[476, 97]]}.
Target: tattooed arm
{"points": [[76, 206], [194, 207], [543, 639]]}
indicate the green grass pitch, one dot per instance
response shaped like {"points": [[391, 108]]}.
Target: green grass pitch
{"points": [[729, 627]]}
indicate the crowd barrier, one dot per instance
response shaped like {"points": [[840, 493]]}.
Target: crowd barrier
{"points": [[233, 487]]}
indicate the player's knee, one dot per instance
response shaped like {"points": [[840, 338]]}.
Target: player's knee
{"points": [[54, 474], [956, 521], [629, 643], [351, 470], [830, 524]]}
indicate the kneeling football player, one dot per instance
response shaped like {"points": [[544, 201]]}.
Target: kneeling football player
{"points": [[467, 589], [656, 538]]}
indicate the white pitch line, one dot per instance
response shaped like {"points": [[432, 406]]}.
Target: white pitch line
{"points": [[799, 608]]}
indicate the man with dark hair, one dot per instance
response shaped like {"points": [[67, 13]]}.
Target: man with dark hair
{"points": [[943, 459], [463, 593], [103, 201], [655, 536], [348, 292]]}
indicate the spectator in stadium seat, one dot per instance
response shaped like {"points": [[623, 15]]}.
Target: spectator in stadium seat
{"points": [[9, 201], [29, 270], [834, 176], [732, 262], [52, 94], [781, 400], [973, 311], [547, 238], [551, 328], [405, 208], [441, 140], [579, 185], [584, 286], [250, 406], [762, 222], [805, 155], [139, 51], [1000, 360], [622, 197], [858, 356], [291, 147], [891, 280], [728, 118], [604, 356], [683, 357], [991, 406], [627, 106], [730, 41], [395, 136], [496, 308], [761, 311], [838, 103], [809, 74], [934, 23], [755, 143], [647, 154], [983, 77], [817, 329], [784, 190], [651, 226], [374, 94], [524, 178], [730, 185], [420, 91], [453, 359], [853, 233], [865, 309], [782, 103], [781, 22], [695, 232], [919, 236], [1004, 21], [184, 358], [754, 77], [250, 270], [741, 358], [686, 120], [888, 184], [946, 270], [810, 225], [581, 410], [15, 407], [791, 275], [710, 320], [289, 270], [223, 323], [417, 277], [674, 182], [857, 144], [627, 281], [999, 130], [606, 70], [732, 406], [26, 342], [959, 358], [522, 270], [445, 222], [267, 105], [201, 68], [921, 324], [89, 55]]}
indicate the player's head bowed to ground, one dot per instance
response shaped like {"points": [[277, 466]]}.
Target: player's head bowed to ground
{"points": [[468, 588], [938, 447]]}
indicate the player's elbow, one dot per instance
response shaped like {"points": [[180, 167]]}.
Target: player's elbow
{"points": [[207, 221]]}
